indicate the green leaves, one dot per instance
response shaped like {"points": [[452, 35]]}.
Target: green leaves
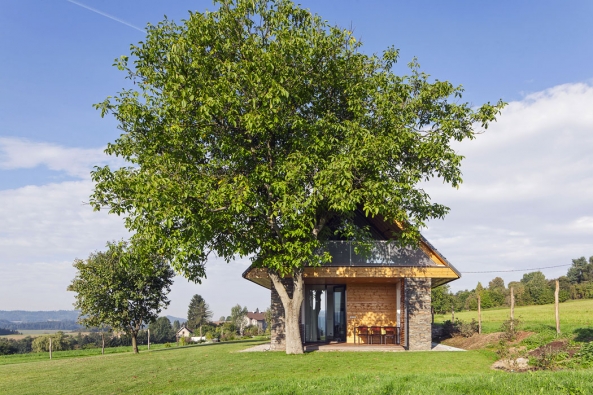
{"points": [[254, 125], [121, 287]]}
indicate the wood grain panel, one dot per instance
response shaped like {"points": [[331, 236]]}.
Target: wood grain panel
{"points": [[370, 304]]}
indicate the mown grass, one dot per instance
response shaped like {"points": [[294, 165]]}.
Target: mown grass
{"points": [[575, 315], [42, 356], [220, 369]]}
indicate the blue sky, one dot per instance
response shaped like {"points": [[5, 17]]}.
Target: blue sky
{"points": [[528, 180]]}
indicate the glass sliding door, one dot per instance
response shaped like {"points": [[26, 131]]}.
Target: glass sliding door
{"points": [[339, 310], [315, 313], [325, 313]]}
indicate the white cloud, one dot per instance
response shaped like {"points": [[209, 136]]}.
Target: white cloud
{"points": [[44, 228], [527, 192], [525, 202], [16, 153]]}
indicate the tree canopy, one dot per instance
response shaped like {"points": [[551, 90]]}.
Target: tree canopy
{"points": [[250, 128], [121, 287], [198, 312]]}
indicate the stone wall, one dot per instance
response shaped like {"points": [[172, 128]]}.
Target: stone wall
{"points": [[418, 316]]}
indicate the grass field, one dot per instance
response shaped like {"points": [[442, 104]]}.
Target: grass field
{"points": [[37, 332], [219, 368], [575, 315]]}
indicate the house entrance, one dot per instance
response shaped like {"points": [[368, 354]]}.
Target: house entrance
{"points": [[325, 313]]}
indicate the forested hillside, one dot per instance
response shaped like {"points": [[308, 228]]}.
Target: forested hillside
{"points": [[532, 289]]}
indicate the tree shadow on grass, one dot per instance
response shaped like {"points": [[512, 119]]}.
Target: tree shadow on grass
{"points": [[583, 334]]}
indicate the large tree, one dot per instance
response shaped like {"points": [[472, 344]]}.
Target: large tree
{"points": [[252, 127], [198, 313], [121, 287]]}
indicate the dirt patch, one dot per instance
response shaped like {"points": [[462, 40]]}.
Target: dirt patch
{"points": [[557, 346], [476, 341]]}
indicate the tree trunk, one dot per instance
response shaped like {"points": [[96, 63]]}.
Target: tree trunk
{"points": [[292, 309], [102, 343], [134, 343]]}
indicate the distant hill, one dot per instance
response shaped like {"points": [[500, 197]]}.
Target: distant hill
{"points": [[57, 319], [171, 318], [38, 316], [65, 325]]}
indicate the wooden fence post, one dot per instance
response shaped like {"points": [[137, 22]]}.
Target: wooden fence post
{"points": [[479, 314], [512, 308], [452, 314], [148, 338], [556, 293], [102, 343], [49, 346]]}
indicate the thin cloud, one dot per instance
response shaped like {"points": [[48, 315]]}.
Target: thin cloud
{"points": [[17, 153], [106, 15]]}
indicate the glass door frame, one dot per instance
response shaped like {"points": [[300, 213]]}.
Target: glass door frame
{"points": [[326, 331]]}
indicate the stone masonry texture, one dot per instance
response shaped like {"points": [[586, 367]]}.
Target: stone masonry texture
{"points": [[418, 317]]}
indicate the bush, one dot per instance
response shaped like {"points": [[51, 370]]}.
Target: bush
{"points": [[60, 342], [509, 329], [459, 328], [586, 353]]}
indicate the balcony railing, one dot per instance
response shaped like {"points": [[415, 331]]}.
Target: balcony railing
{"points": [[375, 253]]}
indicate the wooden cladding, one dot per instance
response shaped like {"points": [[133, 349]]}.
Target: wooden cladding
{"points": [[370, 304]]}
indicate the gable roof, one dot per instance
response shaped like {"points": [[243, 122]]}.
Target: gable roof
{"points": [[187, 329], [256, 316], [423, 261]]}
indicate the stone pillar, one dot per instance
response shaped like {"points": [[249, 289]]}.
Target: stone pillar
{"points": [[277, 332], [418, 316]]}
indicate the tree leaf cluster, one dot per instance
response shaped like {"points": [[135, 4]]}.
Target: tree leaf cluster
{"points": [[122, 288], [252, 126]]}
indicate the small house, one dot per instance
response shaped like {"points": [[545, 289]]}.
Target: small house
{"points": [[386, 287], [184, 332]]}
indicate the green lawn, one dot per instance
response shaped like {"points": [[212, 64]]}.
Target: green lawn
{"points": [[220, 369], [576, 315]]}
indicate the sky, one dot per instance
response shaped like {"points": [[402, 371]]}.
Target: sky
{"points": [[527, 197]]}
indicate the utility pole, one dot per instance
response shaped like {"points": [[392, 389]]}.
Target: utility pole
{"points": [[556, 293], [479, 314], [512, 309]]}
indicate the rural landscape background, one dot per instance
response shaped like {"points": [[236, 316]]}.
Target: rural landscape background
{"points": [[522, 217]]}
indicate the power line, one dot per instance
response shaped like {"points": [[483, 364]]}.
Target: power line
{"points": [[517, 270]]}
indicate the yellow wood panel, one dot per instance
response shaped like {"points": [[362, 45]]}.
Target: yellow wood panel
{"points": [[370, 304], [385, 271]]}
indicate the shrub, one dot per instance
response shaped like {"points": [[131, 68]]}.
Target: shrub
{"points": [[509, 329], [586, 352], [459, 328]]}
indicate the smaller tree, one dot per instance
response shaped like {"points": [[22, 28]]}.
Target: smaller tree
{"points": [[161, 330], [176, 326], [222, 318], [238, 314], [198, 313], [122, 288], [441, 299]]}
